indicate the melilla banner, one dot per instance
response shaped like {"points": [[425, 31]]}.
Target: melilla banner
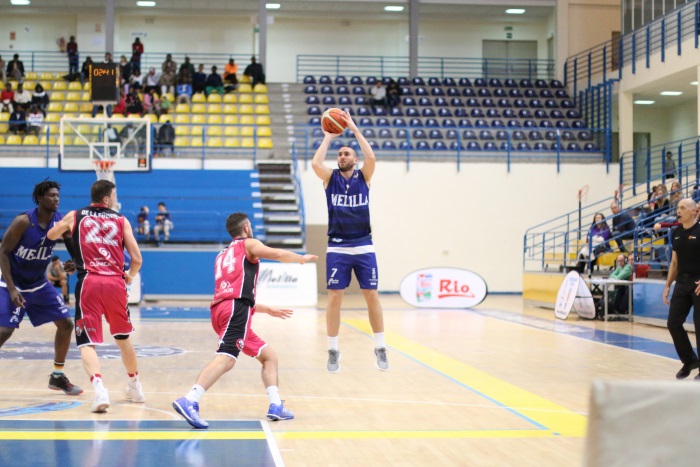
{"points": [[443, 288]]}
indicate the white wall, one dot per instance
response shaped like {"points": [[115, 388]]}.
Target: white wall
{"points": [[475, 219]]}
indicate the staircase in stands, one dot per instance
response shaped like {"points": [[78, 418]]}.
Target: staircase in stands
{"points": [[282, 213]]}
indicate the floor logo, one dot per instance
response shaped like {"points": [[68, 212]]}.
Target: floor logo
{"points": [[44, 351], [37, 408]]}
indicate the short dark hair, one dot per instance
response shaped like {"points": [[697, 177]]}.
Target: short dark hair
{"points": [[100, 189], [235, 223], [55, 258], [40, 189], [161, 204]]}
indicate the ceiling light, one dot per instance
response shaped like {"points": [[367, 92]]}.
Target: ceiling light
{"points": [[671, 93], [393, 8], [19, 2], [515, 11], [693, 83], [273, 6], [643, 102], [145, 3]]}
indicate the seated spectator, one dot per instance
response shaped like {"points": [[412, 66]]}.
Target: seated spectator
{"points": [[151, 103], [199, 80], [57, 276], [166, 138], [15, 69], [120, 108], [85, 70], [255, 72], [108, 58], [40, 98], [7, 97], [597, 241], [164, 106], [214, 82], [151, 81], [623, 226], [183, 91], [230, 72], [167, 77], [35, 119], [183, 76], [18, 121], [378, 93], [3, 74], [99, 109], [675, 195], [125, 73], [623, 272], [393, 93], [143, 225], [22, 97], [164, 223], [135, 81], [133, 103]]}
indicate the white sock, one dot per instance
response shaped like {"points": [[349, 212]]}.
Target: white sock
{"points": [[379, 340], [274, 394], [332, 343], [98, 385], [195, 393]]}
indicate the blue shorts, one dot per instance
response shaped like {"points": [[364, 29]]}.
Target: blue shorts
{"points": [[344, 257], [43, 305]]}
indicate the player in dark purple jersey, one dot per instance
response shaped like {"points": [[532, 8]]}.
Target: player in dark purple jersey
{"points": [[24, 255]]}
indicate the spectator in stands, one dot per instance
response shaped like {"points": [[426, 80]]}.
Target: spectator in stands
{"points": [[108, 57], [199, 80], [112, 137], [133, 103], [136, 81], [57, 276], [188, 66], [151, 102], [166, 138], [623, 225], [183, 76], [85, 70], [73, 58], [15, 69], [151, 81], [167, 77], [136, 52], [125, 72], [214, 82], [7, 97], [255, 72], [22, 97], [378, 93], [133, 140], [164, 223], [165, 105], [35, 119], [3, 74], [623, 272], [143, 225], [40, 98], [598, 236], [393, 93], [230, 72], [18, 121], [675, 195], [670, 166], [183, 91], [98, 109]]}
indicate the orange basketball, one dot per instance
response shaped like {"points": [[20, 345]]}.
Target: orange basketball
{"points": [[332, 121]]}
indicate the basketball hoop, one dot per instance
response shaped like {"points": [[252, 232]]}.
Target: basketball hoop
{"points": [[104, 168]]}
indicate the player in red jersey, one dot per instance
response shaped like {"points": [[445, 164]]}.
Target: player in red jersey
{"points": [[236, 272], [101, 235]]}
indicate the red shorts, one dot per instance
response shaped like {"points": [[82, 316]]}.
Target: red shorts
{"points": [[231, 321], [97, 295]]}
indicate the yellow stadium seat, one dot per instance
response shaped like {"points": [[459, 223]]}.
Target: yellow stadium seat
{"points": [[260, 88], [51, 141], [244, 79], [86, 86], [28, 85], [247, 131], [30, 140], [79, 141], [230, 108], [214, 99], [152, 117], [182, 141], [73, 86], [262, 109], [197, 142], [199, 119], [182, 130], [264, 131], [14, 139], [132, 116], [73, 96], [197, 130], [232, 143], [182, 109], [230, 120], [264, 143], [232, 131], [262, 120], [68, 115], [2, 139], [52, 129], [215, 143], [4, 116], [245, 109], [165, 118], [31, 75], [54, 107], [70, 107], [214, 109], [198, 98], [245, 99], [247, 120], [4, 127], [85, 129], [60, 86], [260, 99], [214, 120], [53, 117], [47, 75], [244, 87], [85, 115], [169, 95], [199, 108], [182, 118], [47, 85], [248, 143], [230, 99], [86, 107], [214, 131]]}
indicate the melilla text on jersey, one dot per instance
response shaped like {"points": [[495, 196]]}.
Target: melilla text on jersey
{"points": [[349, 201], [42, 253], [104, 215]]}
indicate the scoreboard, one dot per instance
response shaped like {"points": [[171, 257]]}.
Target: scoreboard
{"points": [[104, 82]]}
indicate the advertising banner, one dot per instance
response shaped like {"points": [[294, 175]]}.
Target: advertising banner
{"points": [[287, 284], [443, 288]]}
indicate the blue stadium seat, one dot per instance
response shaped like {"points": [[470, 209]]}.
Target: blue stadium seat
{"points": [[555, 83], [389, 145], [401, 133], [567, 136], [425, 101], [356, 80], [556, 114], [310, 90], [418, 81], [514, 123], [504, 103], [509, 113], [510, 83], [561, 94], [308, 79], [551, 104], [315, 121], [518, 135], [461, 112], [345, 101], [327, 100], [481, 123], [433, 81], [468, 92], [505, 146], [412, 112], [453, 92], [490, 146], [520, 103], [314, 110], [348, 133], [465, 123], [437, 91], [421, 91], [355, 145], [535, 104], [363, 111], [495, 83], [325, 80], [312, 100], [585, 136], [383, 121], [422, 146], [473, 146], [358, 90], [567, 104], [529, 124], [464, 82], [468, 134], [500, 93], [409, 101], [371, 80], [435, 134], [546, 94], [369, 133], [396, 112], [403, 81], [341, 80], [471, 102], [573, 113], [451, 134], [326, 89], [497, 123], [501, 135], [386, 80], [550, 135], [485, 134], [404, 145], [546, 124], [524, 146], [562, 124], [342, 90], [359, 100], [448, 82], [317, 133], [406, 91], [484, 92], [488, 103], [539, 113], [590, 147], [578, 124], [441, 102], [448, 123], [493, 113], [428, 112], [415, 122], [539, 147], [530, 93], [555, 146], [573, 147], [385, 133], [316, 144], [366, 121], [535, 136], [456, 102], [540, 83], [432, 123], [454, 146], [444, 112], [336, 144], [480, 82], [524, 113], [515, 93], [379, 111], [525, 83]]}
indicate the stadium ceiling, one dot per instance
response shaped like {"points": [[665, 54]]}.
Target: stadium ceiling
{"points": [[678, 82], [430, 9]]}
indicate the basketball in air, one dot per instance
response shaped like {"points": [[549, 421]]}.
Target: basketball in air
{"points": [[332, 121]]}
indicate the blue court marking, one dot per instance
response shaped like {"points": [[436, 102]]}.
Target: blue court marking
{"points": [[175, 313], [625, 341], [37, 408]]}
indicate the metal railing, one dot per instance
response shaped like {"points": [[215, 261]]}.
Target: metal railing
{"points": [[441, 67], [300, 191]]}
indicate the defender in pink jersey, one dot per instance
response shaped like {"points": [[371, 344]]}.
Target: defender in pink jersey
{"points": [[235, 276], [100, 235]]}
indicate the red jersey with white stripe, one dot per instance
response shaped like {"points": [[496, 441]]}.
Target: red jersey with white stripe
{"points": [[99, 233], [235, 275]]}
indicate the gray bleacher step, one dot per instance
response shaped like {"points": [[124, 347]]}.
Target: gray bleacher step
{"points": [[266, 177], [280, 229], [288, 207], [274, 217], [272, 197], [283, 240], [278, 187]]}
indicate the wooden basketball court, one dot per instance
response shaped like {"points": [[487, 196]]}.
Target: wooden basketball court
{"points": [[497, 385]]}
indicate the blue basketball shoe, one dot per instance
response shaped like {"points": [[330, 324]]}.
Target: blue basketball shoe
{"points": [[278, 412], [190, 411]]}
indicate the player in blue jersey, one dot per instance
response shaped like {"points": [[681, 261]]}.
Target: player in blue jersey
{"points": [[24, 255], [350, 245]]}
